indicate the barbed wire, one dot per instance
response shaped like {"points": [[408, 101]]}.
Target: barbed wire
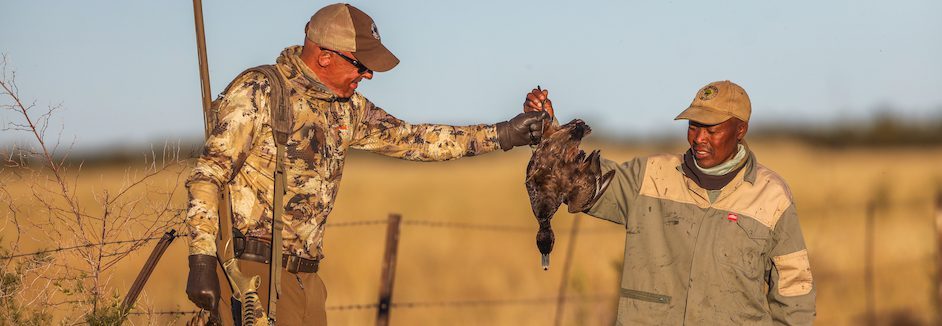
{"points": [[469, 226], [480, 302], [358, 223], [408, 222], [430, 304], [87, 245], [179, 312], [500, 302], [419, 223], [359, 306], [465, 226]]}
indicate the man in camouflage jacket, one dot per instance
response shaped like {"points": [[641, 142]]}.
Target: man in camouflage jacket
{"points": [[342, 47], [712, 236]]}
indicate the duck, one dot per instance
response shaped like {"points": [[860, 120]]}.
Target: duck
{"points": [[559, 172]]}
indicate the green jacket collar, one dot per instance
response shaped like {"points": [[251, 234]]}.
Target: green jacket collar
{"points": [[749, 171]]}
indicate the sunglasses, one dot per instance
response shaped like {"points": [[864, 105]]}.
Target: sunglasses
{"points": [[359, 65]]}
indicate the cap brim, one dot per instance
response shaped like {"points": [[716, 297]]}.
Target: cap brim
{"points": [[703, 115], [377, 58]]}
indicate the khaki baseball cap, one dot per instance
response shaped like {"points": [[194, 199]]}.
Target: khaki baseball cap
{"points": [[717, 102], [343, 27]]}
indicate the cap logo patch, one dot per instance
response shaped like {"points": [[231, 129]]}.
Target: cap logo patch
{"points": [[375, 31], [708, 93]]}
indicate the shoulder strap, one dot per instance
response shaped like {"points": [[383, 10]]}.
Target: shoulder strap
{"points": [[282, 119], [281, 115]]}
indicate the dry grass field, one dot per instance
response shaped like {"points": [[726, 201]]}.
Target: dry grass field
{"points": [[438, 264]]}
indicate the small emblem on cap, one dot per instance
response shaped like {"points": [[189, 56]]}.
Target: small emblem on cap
{"points": [[375, 31], [708, 92]]}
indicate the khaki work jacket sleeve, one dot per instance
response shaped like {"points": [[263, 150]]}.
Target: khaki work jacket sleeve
{"points": [[791, 287], [621, 192], [223, 154], [380, 132]]}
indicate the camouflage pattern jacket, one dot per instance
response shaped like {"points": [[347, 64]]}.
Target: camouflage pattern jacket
{"points": [[737, 260], [241, 152]]}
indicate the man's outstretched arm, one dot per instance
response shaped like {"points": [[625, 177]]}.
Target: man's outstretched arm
{"points": [[612, 204], [380, 132]]}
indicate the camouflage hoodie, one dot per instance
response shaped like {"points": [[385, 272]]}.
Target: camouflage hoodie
{"points": [[240, 151]]}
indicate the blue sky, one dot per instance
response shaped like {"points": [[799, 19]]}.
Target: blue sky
{"points": [[126, 71]]}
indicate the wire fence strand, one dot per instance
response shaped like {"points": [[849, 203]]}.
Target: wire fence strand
{"points": [[176, 313], [467, 226], [430, 304], [354, 223], [501, 302], [358, 223], [87, 245]]}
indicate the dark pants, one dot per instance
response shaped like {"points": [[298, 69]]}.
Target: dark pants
{"points": [[303, 296]]}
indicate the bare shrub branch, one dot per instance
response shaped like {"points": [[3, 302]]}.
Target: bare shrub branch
{"points": [[94, 225]]}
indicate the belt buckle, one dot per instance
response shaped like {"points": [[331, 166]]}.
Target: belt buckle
{"points": [[293, 264]]}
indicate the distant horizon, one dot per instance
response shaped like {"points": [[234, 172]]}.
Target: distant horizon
{"points": [[811, 134]]}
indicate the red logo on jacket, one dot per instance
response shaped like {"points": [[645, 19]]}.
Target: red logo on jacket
{"points": [[732, 217]]}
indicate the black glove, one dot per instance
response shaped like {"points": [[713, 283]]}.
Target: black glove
{"points": [[202, 286], [524, 129]]}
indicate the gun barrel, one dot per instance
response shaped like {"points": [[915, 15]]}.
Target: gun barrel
{"points": [[148, 269], [208, 116]]}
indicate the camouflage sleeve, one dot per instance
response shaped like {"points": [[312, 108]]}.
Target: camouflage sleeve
{"points": [[623, 189], [380, 132], [791, 288], [223, 154]]}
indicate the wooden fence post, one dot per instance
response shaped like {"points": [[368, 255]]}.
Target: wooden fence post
{"points": [[868, 263], [387, 279], [567, 264]]}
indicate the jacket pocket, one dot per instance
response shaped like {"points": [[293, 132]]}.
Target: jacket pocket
{"points": [[742, 244], [645, 296]]}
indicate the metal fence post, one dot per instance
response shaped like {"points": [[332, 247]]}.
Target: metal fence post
{"points": [[567, 265], [387, 279]]}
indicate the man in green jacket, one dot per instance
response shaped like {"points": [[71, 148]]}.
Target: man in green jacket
{"points": [[712, 235]]}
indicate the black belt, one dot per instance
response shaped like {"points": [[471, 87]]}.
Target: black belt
{"points": [[260, 251]]}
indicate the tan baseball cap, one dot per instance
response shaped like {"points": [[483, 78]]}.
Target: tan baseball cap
{"points": [[717, 102], [343, 27]]}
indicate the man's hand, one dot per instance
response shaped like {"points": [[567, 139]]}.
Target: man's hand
{"points": [[538, 100], [524, 129], [202, 286]]}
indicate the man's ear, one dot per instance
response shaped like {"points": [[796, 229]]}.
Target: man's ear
{"points": [[741, 130], [323, 59]]}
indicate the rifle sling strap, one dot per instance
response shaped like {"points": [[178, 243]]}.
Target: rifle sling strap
{"points": [[282, 120]]}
